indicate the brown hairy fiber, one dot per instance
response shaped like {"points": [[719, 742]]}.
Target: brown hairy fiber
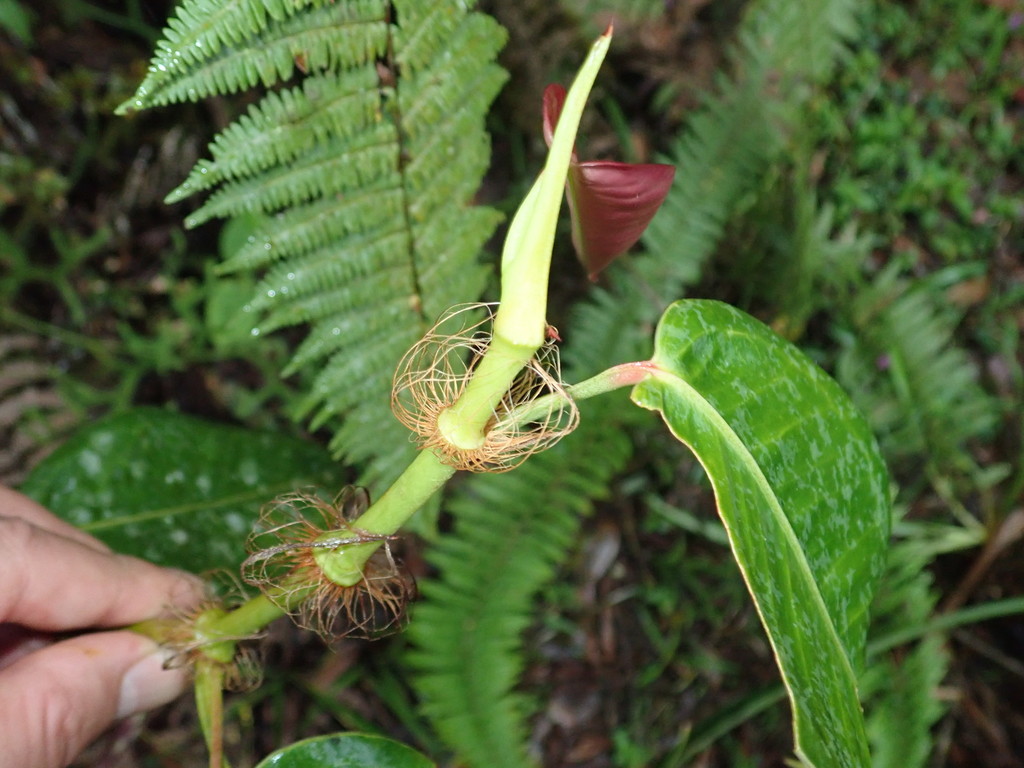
{"points": [[188, 643], [283, 564], [435, 371]]}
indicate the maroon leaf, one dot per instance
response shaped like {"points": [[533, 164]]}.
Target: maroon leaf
{"points": [[610, 203], [554, 100]]}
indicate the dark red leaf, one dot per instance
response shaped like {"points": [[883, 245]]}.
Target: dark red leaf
{"points": [[554, 99], [610, 203]]}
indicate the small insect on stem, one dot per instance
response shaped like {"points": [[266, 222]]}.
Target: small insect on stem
{"points": [[306, 538], [359, 537]]}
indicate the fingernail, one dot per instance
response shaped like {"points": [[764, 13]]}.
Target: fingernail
{"points": [[149, 684]]}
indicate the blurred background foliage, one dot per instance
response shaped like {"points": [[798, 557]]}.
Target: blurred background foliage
{"points": [[885, 236]]}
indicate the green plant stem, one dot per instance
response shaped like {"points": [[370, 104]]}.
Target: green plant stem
{"points": [[464, 422], [420, 480], [407, 494], [519, 331], [251, 616], [209, 688], [520, 322], [344, 565], [623, 375], [157, 630], [427, 473]]}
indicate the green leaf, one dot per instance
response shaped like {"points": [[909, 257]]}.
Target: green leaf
{"points": [[346, 750], [173, 489], [804, 496], [17, 20]]}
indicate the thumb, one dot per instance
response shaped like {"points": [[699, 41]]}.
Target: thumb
{"points": [[53, 702]]}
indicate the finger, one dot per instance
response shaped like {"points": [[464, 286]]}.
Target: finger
{"points": [[14, 504], [55, 701], [17, 641], [53, 583]]}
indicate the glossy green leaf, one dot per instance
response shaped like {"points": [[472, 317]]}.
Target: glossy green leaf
{"points": [[346, 750], [804, 496], [173, 489]]}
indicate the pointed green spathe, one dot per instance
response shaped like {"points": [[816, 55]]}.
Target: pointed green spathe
{"points": [[526, 259]]}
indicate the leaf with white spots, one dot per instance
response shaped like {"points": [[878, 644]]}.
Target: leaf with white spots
{"points": [[346, 750], [173, 489], [803, 493]]}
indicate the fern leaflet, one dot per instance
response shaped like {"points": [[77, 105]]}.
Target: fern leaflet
{"points": [[919, 390]]}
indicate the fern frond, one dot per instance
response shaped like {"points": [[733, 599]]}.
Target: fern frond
{"points": [[905, 705], [323, 39], [901, 363], [331, 335], [797, 43], [425, 32], [200, 29], [447, 276], [900, 689], [365, 363], [303, 228], [783, 47], [326, 269], [614, 325], [387, 281], [454, 82], [360, 179]]}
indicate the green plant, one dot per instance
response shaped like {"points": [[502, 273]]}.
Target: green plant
{"points": [[843, 276], [16, 19], [922, 154], [481, 399], [929, 382]]}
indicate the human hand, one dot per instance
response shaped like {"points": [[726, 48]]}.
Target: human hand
{"points": [[57, 695]]}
